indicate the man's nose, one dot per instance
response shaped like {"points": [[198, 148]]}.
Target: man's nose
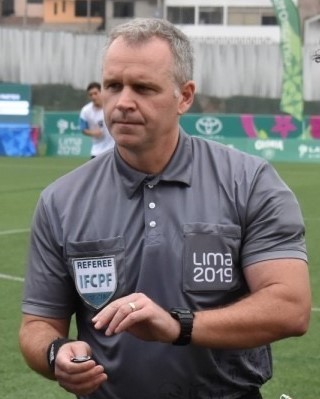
{"points": [[126, 99]]}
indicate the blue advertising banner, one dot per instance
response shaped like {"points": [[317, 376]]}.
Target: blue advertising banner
{"points": [[16, 141], [15, 120]]}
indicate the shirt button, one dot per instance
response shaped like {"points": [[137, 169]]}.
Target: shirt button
{"points": [[152, 205], [152, 223], [150, 185]]}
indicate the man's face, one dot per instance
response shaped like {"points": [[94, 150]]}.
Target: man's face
{"points": [[140, 99], [95, 96]]}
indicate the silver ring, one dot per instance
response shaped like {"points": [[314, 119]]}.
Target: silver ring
{"points": [[132, 306]]}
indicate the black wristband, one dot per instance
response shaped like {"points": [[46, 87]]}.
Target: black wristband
{"points": [[53, 349]]}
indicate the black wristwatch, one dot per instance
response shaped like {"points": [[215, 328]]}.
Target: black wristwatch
{"points": [[185, 318]]}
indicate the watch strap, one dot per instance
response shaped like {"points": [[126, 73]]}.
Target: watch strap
{"points": [[53, 349], [185, 318]]}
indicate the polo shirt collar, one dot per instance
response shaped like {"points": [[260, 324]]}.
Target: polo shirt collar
{"points": [[179, 168]]}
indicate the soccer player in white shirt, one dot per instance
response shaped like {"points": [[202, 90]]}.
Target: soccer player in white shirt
{"points": [[92, 121]]}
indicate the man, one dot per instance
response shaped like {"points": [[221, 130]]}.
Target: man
{"points": [[181, 275], [92, 121]]}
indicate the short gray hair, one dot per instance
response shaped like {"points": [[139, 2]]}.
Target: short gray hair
{"points": [[140, 30]]}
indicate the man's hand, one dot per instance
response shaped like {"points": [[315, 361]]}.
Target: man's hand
{"points": [[140, 316], [78, 378]]}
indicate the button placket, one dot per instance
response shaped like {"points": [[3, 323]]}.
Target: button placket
{"points": [[150, 203]]}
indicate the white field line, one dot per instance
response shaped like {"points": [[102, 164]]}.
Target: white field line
{"points": [[14, 278], [13, 231]]}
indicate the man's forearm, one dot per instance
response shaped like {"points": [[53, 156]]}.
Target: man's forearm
{"points": [[35, 336], [258, 319]]}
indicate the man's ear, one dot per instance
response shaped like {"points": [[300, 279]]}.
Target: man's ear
{"points": [[186, 96]]}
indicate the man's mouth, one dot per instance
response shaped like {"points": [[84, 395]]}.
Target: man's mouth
{"points": [[126, 122]]}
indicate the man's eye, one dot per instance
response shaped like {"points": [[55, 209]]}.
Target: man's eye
{"points": [[143, 89], [112, 86]]}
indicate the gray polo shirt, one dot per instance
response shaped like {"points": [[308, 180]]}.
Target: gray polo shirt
{"points": [[183, 238]]}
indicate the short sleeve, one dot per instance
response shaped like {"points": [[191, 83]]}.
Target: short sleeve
{"points": [[48, 289], [83, 122], [274, 226]]}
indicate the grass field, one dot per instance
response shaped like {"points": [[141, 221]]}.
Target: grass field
{"points": [[296, 360]]}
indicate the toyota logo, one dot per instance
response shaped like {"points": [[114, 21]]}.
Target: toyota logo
{"points": [[208, 125]]}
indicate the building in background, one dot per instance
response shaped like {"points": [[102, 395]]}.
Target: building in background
{"points": [[310, 16], [76, 15], [87, 15], [220, 12], [6, 8], [231, 19], [226, 20], [97, 14]]}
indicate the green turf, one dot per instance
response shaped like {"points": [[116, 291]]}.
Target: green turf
{"points": [[296, 360], [21, 180]]}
